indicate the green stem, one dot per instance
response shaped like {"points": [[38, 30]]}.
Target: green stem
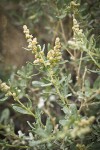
{"points": [[30, 112], [13, 146], [56, 87], [60, 135], [93, 60]]}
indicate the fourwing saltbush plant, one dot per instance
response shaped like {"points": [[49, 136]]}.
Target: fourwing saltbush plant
{"points": [[62, 96], [54, 86]]}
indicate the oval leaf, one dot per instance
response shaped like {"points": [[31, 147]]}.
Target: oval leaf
{"points": [[3, 99], [20, 109]]}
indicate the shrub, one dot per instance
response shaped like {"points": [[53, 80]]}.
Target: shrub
{"points": [[62, 96]]}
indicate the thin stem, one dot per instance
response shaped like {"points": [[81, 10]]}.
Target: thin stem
{"points": [[83, 104], [60, 135], [72, 56], [79, 68], [56, 31], [63, 32], [72, 90], [85, 71], [57, 88], [14, 146], [64, 37], [52, 118], [93, 60], [94, 95], [30, 112]]}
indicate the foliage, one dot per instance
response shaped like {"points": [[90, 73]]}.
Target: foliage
{"points": [[60, 94]]}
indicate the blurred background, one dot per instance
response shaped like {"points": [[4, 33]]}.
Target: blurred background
{"points": [[46, 20]]}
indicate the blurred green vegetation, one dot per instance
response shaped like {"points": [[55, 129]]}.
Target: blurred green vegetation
{"points": [[46, 20]]}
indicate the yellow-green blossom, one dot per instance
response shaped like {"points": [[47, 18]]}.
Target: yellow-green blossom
{"points": [[6, 89], [33, 46], [78, 37], [54, 55], [82, 127]]}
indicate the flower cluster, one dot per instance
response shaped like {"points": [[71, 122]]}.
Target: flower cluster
{"points": [[39, 57], [6, 89], [29, 37], [78, 37], [76, 30], [54, 55], [33, 45], [82, 127]]}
